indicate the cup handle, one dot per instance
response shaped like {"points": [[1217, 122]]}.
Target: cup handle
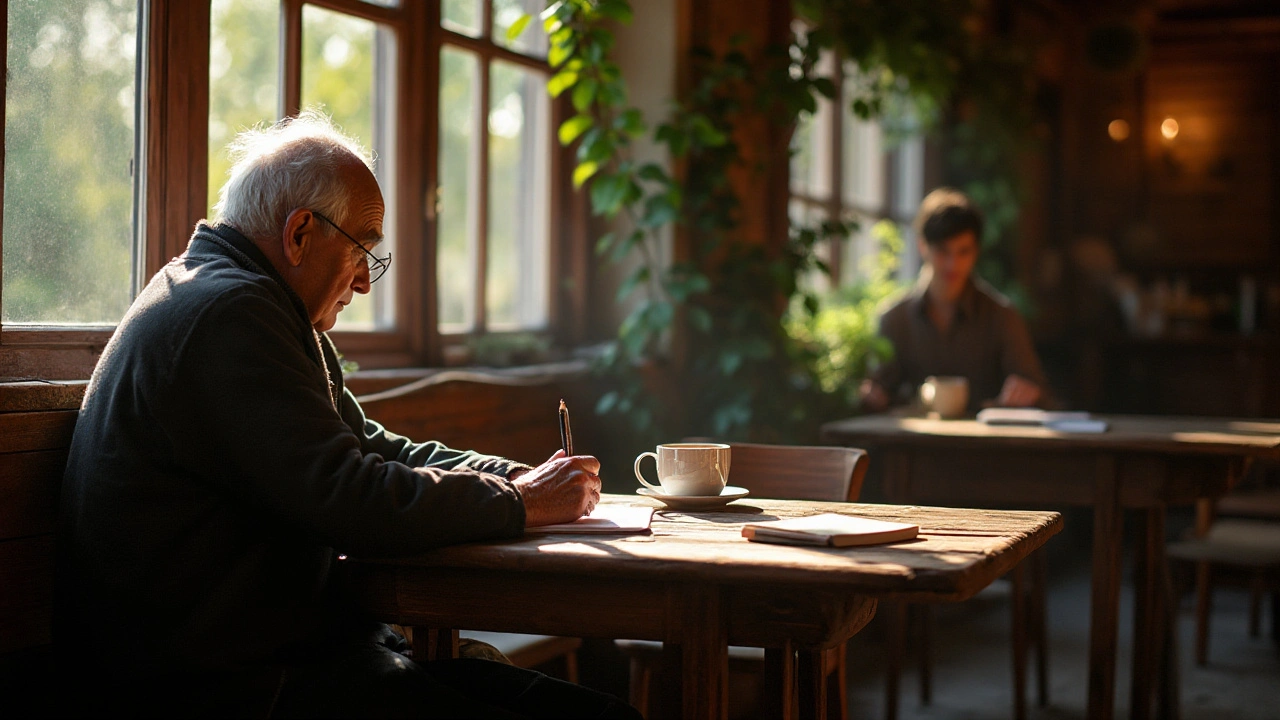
{"points": [[640, 477]]}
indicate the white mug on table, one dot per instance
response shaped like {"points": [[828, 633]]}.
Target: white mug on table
{"points": [[947, 395], [688, 468]]}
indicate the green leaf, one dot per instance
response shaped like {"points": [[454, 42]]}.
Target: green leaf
{"points": [[604, 243], [584, 93], [706, 133], [518, 27], [595, 146], [572, 128], [661, 316], [608, 193], [583, 172], [561, 81], [630, 122], [652, 171], [658, 211], [730, 361], [618, 10], [699, 318], [606, 402], [825, 86], [560, 52], [632, 281]]}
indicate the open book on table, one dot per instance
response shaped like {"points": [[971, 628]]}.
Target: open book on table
{"points": [[830, 529], [1080, 422], [604, 519]]}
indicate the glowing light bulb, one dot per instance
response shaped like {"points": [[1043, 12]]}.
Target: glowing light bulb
{"points": [[1118, 130], [1169, 128]]}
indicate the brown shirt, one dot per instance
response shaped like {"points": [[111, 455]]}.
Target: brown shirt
{"points": [[987, 342]]}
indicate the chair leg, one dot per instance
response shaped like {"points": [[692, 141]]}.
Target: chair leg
{"points": [[1204, 607], [1039, 612], [571, 666], [895, 645], [1256, 588], [924, 622], [1019, 604], [641, 674]]}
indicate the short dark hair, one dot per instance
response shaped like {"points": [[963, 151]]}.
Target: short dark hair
{"points": [[945, 213]]}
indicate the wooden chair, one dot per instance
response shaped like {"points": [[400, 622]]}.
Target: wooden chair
{"points": [[784, 472], [1240, 534]]}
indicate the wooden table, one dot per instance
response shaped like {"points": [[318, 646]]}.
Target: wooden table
{"points": [[697, 585], [1146, 463]]}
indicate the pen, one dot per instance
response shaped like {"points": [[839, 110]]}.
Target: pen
{"points": [[566, 435]]}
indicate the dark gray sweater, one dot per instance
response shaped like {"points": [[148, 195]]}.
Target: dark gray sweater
{"points": [[218, 467]]}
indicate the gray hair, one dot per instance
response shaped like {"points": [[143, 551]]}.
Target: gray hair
{"points": [[278, 169]]}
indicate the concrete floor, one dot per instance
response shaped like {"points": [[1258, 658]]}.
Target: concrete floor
{"points": [[972, 663]]}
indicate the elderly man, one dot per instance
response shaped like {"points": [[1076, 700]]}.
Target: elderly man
{"points": [[953, 323], [219, 466]]}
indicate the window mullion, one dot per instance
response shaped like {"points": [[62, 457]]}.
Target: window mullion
{"points": [[835, 203], [482, 193], [291, 58]]}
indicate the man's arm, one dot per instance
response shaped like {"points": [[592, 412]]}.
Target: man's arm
{"points": [[251, 415], [876, 391], [376, 439], [1024, 378]]}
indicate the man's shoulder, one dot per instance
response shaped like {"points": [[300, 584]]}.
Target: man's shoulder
{"points": [[895, 307]]}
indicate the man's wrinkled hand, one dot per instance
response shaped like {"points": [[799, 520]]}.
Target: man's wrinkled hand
{"points": [[561, 489], [1018, 392]]}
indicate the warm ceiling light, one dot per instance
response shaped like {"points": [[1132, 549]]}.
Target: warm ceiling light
{"points": [[1169, 128], [1118, 130]]}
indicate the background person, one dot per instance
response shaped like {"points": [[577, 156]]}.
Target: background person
{"points": [[953, 323]]}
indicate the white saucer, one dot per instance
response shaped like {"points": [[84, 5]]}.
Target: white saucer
{"points": [[695, 502]]}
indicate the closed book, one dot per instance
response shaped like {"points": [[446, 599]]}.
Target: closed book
{"points": [[830, 529]]}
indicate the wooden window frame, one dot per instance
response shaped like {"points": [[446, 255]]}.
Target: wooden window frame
{"points": [[173, 192], [834, 204]]}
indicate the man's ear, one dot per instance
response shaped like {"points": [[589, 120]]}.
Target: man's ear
{"points": [[296, 237]]}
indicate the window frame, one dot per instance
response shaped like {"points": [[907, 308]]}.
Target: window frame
{"points": [[173, 191], [835, 205]]}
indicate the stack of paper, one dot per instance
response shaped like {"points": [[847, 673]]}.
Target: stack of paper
{"points": [[604, 519], [1078, 422], [830, 529]]}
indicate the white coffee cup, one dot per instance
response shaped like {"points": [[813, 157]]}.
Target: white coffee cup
{"points": [[946, 395], [688, 468]]}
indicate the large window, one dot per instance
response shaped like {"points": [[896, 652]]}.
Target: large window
{"points": [[494, 170], [118, 112], [845, 167], [71, 129]]}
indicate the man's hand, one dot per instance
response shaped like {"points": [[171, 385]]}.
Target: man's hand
{"points": [[561, 489], [873, 397], [1018, 392]]}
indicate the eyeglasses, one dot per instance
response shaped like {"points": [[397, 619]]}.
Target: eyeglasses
{"points": [[377, 265]]}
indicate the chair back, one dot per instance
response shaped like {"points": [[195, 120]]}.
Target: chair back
{"points": [[796, 472]]}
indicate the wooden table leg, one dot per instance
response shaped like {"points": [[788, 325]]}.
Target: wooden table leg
{"points": [[779, 691], [1019, 601], [811, 685], [1104, 611], [704, 643], [1145, 645]]}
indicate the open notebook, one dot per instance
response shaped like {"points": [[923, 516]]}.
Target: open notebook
{"points": [[1071, 422], [830, 529], [604, 519]]}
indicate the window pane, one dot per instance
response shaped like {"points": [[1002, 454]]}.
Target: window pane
{"points": [[458, 201], [519, 177], [384, 3], [812, 155], [461, 16], [244, 76], [348, 70], [533, 40], [70, 139], [863, 153]]}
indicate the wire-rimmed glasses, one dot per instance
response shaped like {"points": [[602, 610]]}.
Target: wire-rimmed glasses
{"points": [[377, 265]]}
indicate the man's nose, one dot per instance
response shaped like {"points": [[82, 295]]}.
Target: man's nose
{"points": [[360, 283]]}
